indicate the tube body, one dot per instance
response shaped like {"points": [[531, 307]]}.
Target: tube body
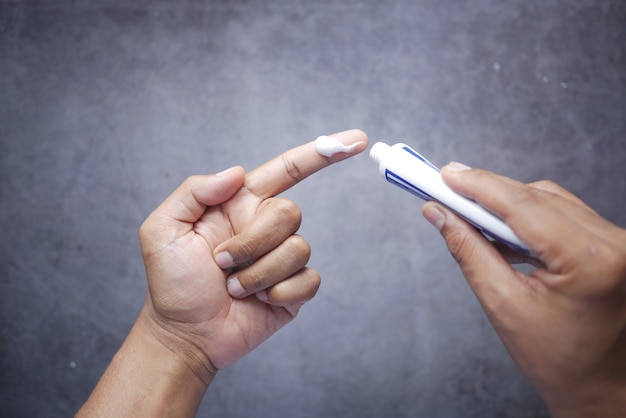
{"points": [[406, 168]]}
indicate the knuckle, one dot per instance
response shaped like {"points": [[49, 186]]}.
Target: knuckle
{"points": [[460, 246], [189, 185], [613, 262], [523, 199], [256, 279], [190, 181], [247, 249], [529, 196], [309, 283], [287, 210], [547, 185], [603, 262], [315, 280], [298, 248], [292, 169]]}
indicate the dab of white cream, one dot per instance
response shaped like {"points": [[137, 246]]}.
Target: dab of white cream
{"points": [[328, 146]]}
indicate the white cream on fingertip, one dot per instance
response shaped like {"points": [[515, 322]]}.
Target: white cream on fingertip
{"points": [[328, 146]]}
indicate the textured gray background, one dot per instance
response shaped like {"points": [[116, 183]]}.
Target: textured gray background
{"points": [[105, 107]]}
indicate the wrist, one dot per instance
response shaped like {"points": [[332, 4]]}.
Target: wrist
{"points": [[178, 346], [147, 377]]}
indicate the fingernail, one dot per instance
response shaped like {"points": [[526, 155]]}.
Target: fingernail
{"points": [[435, 216], [455, 166], [223, 173], [262, 296], [224, 260], [235, 289]]}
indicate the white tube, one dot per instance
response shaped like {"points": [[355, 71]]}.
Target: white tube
{"points": [[407, 169]]}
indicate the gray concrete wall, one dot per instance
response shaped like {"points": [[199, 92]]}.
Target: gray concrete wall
{"points": [[105, 107]]}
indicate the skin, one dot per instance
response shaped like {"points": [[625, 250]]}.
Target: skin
{"points": [[564, 324], [225, 271]]}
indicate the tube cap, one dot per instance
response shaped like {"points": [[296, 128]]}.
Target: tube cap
{"points": [[378, 150]]}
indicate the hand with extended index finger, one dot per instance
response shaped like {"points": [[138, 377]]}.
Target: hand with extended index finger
{"points": [[225, 271], [236, 270], [564, 324]]}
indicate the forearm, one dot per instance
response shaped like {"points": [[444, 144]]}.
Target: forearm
{"points": [[145, 378]]}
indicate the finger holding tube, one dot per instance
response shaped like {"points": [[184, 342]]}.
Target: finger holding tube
{"points": [[537, 222], [569, 238]]}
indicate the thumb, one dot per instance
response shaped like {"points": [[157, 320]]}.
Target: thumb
{"points": [[479, 261], [189, 202]]}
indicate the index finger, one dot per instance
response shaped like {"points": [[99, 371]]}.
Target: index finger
{"points": [[293, 166]]}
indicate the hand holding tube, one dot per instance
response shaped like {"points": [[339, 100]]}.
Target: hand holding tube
{"points": [[565, 323]]}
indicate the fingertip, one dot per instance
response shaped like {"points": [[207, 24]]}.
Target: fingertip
{"points": [[351, 136], [342, 145], [234, 287], [190, 200], [447, 222], [262, 296], [455, 167], [234, 171], [360, 136], [456, 176], [217, 188], [224, 260]]}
